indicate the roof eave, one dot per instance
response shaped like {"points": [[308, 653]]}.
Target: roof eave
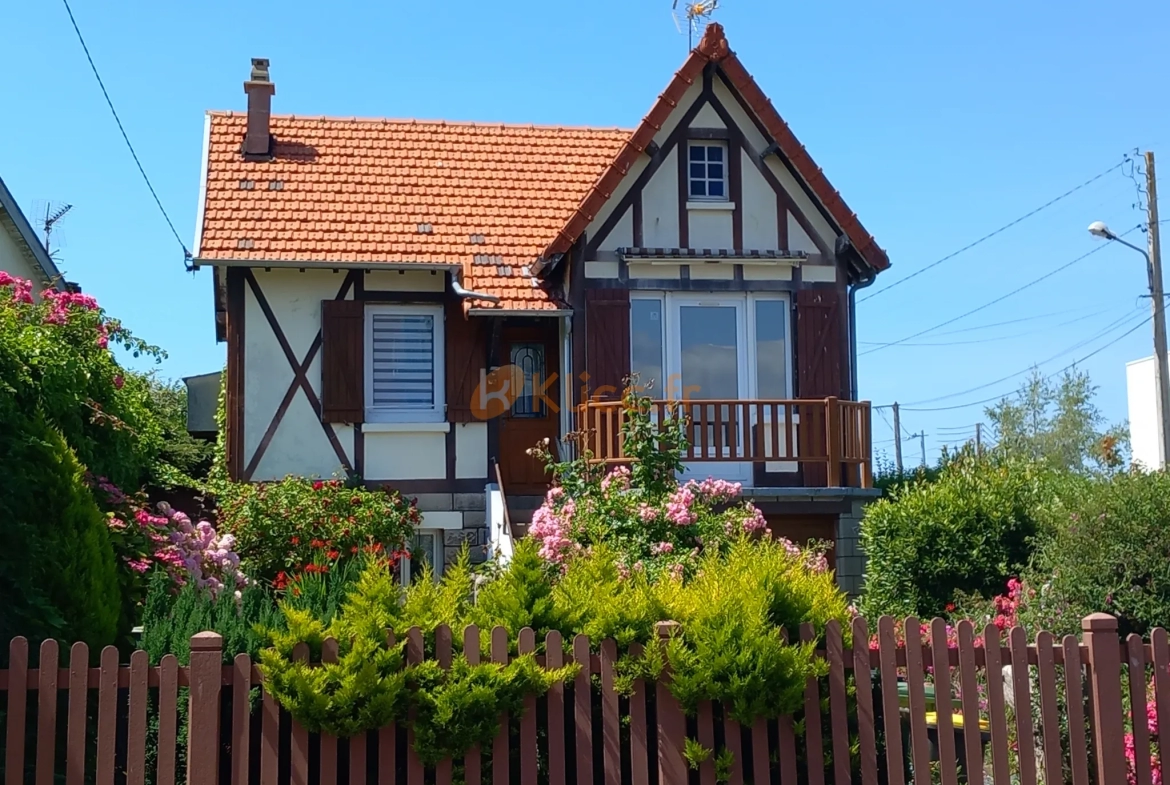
{"points": [[33, 244]]}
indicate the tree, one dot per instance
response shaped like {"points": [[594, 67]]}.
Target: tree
{"points": [[191, 457], [1057, 422]]}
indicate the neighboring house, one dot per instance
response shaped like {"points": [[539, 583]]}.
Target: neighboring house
{"points": [[21, 251], [370, 273], [1141, 384]]}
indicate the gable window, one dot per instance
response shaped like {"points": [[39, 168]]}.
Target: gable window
{"points": [[404, 363], [707, 171]]}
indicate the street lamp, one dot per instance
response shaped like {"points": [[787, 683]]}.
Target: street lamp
{"points": [[1162, 373]]}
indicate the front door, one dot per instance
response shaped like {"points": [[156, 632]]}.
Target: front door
{"points": [[535, 411]]}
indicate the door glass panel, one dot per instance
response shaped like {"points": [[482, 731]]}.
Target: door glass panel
{"points": [[529, 357], [772, 349], [424, 550], [709, 362], [646, 346]]}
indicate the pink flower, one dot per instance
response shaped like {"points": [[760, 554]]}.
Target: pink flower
{"points": [[754, 521], [678, 507], [647, 513], [619, 476], [138, 565], [118, 382], [660, 548]]}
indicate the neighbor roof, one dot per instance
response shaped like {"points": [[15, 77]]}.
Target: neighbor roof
{"points": [[713, 48], [13, 220], [488, 197]]}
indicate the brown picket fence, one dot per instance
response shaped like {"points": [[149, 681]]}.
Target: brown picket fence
{"points": [[867, 721]]}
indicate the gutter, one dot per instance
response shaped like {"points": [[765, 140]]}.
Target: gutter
{"points": [[467, 294], [867, 281]]}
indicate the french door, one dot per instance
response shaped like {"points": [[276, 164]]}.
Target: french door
{"points": [[708, 361]]}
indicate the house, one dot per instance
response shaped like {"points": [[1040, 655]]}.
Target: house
{"points": [[21, 251], [418, 303], [1145, 427]]}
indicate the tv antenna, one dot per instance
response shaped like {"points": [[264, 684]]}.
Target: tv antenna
{"points": [[52, 216], [695, 14]]}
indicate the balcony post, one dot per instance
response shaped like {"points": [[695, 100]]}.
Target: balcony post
{"points": [[866, 445], [833, 441]]}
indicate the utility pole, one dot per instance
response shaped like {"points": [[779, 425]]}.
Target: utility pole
{"points": [[921, 437], [897, 439], [1159, 304], [978, 440]]}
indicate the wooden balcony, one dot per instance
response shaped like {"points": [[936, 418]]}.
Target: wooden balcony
{"points": [[828, 441]]}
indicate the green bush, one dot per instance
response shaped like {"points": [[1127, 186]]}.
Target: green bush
{"points": [[1108, 551], [281, 527], [968, 531], [58, 576]]}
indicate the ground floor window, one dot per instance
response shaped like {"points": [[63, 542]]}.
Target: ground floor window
{"points": [[426, 547], [711, 346]]}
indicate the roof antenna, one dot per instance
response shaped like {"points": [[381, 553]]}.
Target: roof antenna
{"points": [[52, 216], [696, 13]]}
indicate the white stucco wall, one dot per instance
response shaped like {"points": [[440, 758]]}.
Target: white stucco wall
{"points": [[660, 205], [1142, 391], [622, 235], [758, 208], [300, 446], [14, 261]]}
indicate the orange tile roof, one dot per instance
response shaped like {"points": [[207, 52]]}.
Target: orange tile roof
{"points": [[487, 197], [713, 48]]}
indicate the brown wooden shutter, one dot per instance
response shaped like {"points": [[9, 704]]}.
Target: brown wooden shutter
{"points": [[818, 343], [818, 371], [343, 359], [607, 348], [466, 358]]}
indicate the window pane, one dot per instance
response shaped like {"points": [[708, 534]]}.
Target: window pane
{"points": [[423, 552], [697, 152], [715, 188], [707, 338], [698, 170], [403, 361], [771, 349], [646, 346], [715, 153], [715, 171], [698, 188], [529, 357]]}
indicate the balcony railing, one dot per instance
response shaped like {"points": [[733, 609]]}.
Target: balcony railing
{"points": [[829, 439]]}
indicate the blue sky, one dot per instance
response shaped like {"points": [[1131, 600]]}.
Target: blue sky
{"points": [[938, 123]]}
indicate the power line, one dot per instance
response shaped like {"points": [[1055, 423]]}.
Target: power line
{"points": [[1128, 317], [1000, 230], [997, 300], [997, 338], [1073, 364], [125, 136]]}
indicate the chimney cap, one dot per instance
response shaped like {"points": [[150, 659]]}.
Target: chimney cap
{"points": [[259, 69]]}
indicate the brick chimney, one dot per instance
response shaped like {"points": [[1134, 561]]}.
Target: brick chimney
{"points": [[260, 91]]}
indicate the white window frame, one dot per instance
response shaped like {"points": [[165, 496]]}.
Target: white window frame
{"points": [[438, 563], [705, 144], [392, 414], [660, 389], [753, 348]]}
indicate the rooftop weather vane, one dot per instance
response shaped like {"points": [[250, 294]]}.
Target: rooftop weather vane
{"points": [[696, 13]]}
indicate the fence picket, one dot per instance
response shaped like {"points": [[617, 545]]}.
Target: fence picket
{"points": [[327, 751], [78, 704], [241, 718], [915, 681], [300, 737], [526, 644], [269, 739], [583, 710], [473, 760], [891, 710], [761, 763], [107, 715], [443, 646], [1075, 706], [969, 690], [47, 711], [611, 740], [168, 718], [388, 736], [17, 711], [1137, 706], [136, 725], [500, 768], [813, 733], [838, 709], [943, 702], [554, 647], [1022, 692], [1161, 651], [733, 740], [414, 655], [866, 725], [1049, 710], [672, 725], [705, 723], [996, 708]]}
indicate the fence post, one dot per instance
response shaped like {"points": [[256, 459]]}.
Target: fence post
{"points": [[672, 725], [1104, 672], [205, 674]]}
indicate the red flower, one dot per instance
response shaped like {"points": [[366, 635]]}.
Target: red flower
{"points": [[950, 607], [317, 544], [354, 549], [296, 540], [333, 554], [318, 485], [281, 580]]}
